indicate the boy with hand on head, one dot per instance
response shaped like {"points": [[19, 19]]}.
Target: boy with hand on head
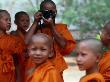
{"points": [[88, 55], [40, 48], [104, 64]]}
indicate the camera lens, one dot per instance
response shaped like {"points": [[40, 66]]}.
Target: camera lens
{"points": [[47, 14]]}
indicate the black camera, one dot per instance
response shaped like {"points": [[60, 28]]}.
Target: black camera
{"points": [[48, 13]]}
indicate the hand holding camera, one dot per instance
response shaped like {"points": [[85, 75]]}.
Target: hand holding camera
{"points": [[38, 16], [45, 17]]}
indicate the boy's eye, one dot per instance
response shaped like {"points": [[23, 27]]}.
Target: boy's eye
{"points": [[83, 54], [33, 49], [43, 49]]}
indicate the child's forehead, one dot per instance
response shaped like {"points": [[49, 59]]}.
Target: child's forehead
{"points": [[49, 5], [38, 42], [82, 44], [23, 15], [2, 14], [39, 39], [85, 46]]}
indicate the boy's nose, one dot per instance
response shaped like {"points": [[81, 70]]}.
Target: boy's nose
{"points": [[38, 52], [9, 22], [78, 59]]}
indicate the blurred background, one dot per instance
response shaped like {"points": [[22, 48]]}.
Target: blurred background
{"points": [[85, 18]]}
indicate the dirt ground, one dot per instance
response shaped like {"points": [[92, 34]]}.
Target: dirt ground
{"points": [[72, 74]]}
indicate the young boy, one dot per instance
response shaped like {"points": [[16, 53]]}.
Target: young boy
{"points": [[22, 21], [63, 41], [88, 55], [40, 48], [104, 64], [9, 46]]}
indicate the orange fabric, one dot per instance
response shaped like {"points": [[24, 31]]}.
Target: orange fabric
{"points": [[18, 36], [58, 59], [94, 77], [8, 47], [59, 52], [45, 73], [104, 66]]}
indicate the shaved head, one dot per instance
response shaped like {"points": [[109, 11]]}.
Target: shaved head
{"points": [[2, 12], [92, 44], [42, 36]]}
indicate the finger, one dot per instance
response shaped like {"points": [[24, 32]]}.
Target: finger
{"points": [[49, 19], [45, 20]]}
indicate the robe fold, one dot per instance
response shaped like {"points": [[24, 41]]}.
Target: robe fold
{"points": [[94, 77], [8, 47], [104, 66], [46, 72]]}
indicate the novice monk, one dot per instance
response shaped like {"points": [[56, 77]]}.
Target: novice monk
{"points": [[88, 55], [104, 64], [63, 41], [22, 21], [40, 48], [9, 46]]}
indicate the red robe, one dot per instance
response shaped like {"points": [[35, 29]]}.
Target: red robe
{"points": [[46, 72], [20, 37], [94, 77], [58, 60], [8, 47], [104, 66]]}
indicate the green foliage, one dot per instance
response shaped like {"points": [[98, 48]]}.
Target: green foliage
{"points": [[86, 14]]}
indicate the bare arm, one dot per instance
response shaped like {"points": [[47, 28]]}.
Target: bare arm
{"points": [[30, 32], [58, 38], [32, 29]]}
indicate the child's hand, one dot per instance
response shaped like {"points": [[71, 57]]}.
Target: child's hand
{"points": [[49, 22], [37, 16]]}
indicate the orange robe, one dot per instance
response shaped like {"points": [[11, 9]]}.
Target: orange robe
{"points": [[59, 52], [94, 77], [46, 72], [8, 47], [104, 66], [20, 37]]}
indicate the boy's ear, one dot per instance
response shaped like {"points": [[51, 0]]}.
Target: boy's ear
{"points": [[98, 58], [51, 54]]}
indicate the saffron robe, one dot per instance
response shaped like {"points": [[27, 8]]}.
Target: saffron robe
{"points": [[45, 72], [8, 47], [104, 66], [94, 77], [59, 52]]}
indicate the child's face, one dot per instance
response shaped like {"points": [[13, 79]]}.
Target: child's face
{"points": [[5, 22], [39, 51], [85, 58], [105, 38], [23, 22]]}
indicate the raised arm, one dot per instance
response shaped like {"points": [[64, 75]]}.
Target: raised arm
{"points": [[33, 28]]}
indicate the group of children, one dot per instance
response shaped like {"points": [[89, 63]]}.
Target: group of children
{"points": [[36, 55]]}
